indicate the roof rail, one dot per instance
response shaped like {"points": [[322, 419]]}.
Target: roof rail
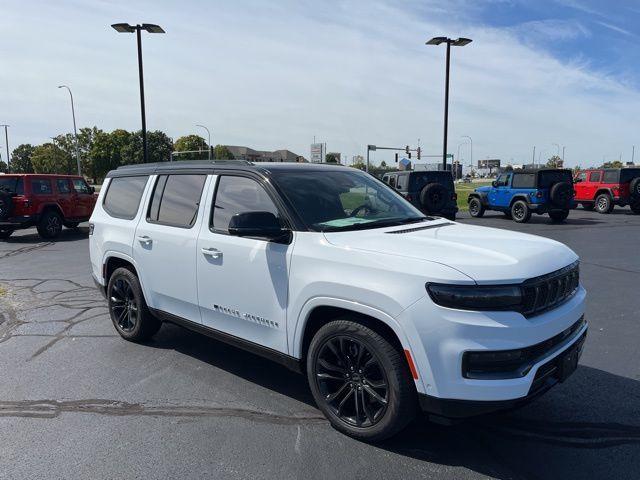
{"points": [[193, 163]]}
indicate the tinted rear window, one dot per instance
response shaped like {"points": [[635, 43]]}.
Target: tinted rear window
{"points": [[419, 180], [524, 180], [176, 199], [123, 196], [12, 184], [548, 178], [628, 174], [610, 176], [41, 186]]}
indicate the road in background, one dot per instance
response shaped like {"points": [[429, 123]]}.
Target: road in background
{"points": [[76, 401]]}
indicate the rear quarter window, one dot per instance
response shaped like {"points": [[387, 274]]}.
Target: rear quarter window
{"points": [[122, 199], [41, 186], [610, 177]]}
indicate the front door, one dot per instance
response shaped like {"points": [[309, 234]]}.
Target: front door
{"points": [[66, 198], [164, 246], [242, 282], [498, 193], [580, 186], [83, 198]]}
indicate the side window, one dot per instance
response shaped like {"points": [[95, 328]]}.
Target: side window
{"points": [[610, 176], [80, 186], [41, 186], [581, 177], [176, 199], [62, 185], [392, 181], [594, 177], [123, 196], [385, 179], [238, 195], [400, 182], [503, 180], [524, 180]]}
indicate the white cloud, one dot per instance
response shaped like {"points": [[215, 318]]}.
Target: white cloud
{"points": [[273, 75]]}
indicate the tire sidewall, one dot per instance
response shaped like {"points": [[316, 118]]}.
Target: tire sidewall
{"points": [[427, 191], [44, 221], [603, 197], [139, 300], [527, 212]]}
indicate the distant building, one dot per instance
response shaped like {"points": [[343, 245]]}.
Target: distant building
{"points": [[251, 155]]}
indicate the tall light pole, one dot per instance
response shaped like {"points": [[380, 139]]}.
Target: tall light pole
{"points": [[459, 42], [6, 143], [209, 135], [151, 28], [563, 147], [75, 130], [471, 151]]}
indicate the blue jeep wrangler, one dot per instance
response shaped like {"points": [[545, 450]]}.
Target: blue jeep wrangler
{"points": [[520, 193]]}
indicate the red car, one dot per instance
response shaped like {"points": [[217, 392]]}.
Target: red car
{"points": [[604, 188], [47, 202]]}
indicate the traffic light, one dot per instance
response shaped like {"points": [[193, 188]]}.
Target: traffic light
{"points": [[396, 157], [406, 150], [409, 154], [418, 153]]}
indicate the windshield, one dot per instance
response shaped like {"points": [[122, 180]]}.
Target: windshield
{"points": [[11, 184], [344, 200]]}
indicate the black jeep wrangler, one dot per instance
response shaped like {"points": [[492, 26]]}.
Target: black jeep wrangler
{"points": [[430, 191]]}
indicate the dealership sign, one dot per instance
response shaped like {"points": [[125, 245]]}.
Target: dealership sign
{"points": [[317, 152]]}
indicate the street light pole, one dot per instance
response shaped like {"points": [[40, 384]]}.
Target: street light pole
{"points": [[6, 140], [75, 130], [459, 42], [563, 147], [471, 151], [151, 28], [209, 136]]}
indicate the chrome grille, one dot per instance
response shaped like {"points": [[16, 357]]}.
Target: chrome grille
{"points": [[548, 291]]}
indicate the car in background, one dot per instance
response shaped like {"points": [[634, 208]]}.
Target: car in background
{"points": [[604, 188], [47, 202], [432, 192], [520, 193]]}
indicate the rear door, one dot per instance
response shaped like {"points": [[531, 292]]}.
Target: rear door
{"points": [[243, 283], [580, 186], [593, 183], [164, 246], [42, 191]]}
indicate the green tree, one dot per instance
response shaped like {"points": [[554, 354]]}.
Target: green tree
{"points": [[614, 164], [331, 158], [383, 164], [554, 162], [3, 166], [107, 151], [191, 143], [49, 158], [86, 137], [159, 148], [221, 152], [21, 158], [360, 165]]}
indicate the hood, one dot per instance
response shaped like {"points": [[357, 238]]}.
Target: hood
{"points": [[483, 189], [487, 255]]}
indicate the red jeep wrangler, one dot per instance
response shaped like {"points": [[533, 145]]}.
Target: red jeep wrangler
{"points": [[604, 188], [46, 202]]}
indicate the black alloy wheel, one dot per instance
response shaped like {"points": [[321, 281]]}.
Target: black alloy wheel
{"points": [[123, 305], [520, 212], [476, 209], [352, 381]]}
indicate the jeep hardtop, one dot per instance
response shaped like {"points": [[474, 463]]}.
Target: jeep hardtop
{"points": [[47, 202], [328, 271], [604, 188], [520, 193]]}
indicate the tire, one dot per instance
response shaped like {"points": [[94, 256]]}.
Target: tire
{"points": [[634, 187], [6, 204], [50, 225], [561, 194], [520, 211], [588, 206], [559, 215], [5, 234], [71, 224], [433, 198], [128, 309], [604, 204], [476, 209], [334, 352]]}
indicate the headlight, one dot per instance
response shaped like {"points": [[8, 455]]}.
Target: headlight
{"points": [[475, 297]]}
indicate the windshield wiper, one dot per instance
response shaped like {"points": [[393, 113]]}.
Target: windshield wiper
{"points": [[375, 224]]}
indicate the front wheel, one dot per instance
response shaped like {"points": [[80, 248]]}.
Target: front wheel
{"points": [[50, 225], [360, 381], [520, 212], [476, 209], [559, 215], [128, 309], [604, 203]]}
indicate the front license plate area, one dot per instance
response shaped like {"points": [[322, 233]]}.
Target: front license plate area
{"points": [[568, 362]]}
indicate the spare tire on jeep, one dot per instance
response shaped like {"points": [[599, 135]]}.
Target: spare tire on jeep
{"points": [[634, 187], [6, 204], [561, 194], [433, 197]]}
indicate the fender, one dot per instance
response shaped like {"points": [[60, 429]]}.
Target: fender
{"points": [[484, 198], [114, 254], [603, 190], [520, 196]]}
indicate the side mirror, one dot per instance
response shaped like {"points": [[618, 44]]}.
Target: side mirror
{"points": [[92, 190], [494, 184], [264, 225]]}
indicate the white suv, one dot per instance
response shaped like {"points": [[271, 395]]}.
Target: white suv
{"points": [[330, 272]]}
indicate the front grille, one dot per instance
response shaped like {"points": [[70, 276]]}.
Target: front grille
{"points": [[548, 291], [504, 364]]}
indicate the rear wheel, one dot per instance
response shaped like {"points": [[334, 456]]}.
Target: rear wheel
{"points": [[559, 215], [635, 208], [520, 211], [128, 309], [50, 225], [360, 381], [604, 203], [476, 209], [4, 234]]}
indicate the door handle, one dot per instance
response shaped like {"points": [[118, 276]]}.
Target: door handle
{"points": [[212, 252], [144, 239]]}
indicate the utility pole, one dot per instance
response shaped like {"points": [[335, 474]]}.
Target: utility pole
{"points": [[534, 156], [633, 154], [75, 130], [6, 140]]}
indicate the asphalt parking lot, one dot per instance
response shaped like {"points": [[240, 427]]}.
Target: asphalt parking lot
{"points": [[76, 401]]}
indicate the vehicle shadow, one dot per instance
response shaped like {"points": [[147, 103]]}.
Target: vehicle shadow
{"points": [[31, 236], [588, 427], [537, 220]]}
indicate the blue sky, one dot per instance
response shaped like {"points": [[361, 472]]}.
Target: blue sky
{"points": [[274, 74]]}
